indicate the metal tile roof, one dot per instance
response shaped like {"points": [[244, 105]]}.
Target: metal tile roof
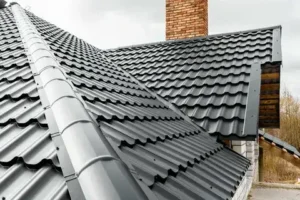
{"points": [[155, 140], [207, 77], [27, 154], [165, 150]]}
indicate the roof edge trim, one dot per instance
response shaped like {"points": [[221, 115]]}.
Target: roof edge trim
{"points": [[276, 45], [108, 178], [196, 38], [253, 99]]}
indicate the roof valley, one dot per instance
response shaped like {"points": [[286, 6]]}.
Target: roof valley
{"points": [[166, 102]]}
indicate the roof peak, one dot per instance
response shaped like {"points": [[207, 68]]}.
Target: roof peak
{"points": [[198, 37]]}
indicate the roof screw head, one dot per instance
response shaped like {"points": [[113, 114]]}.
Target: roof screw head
{"points": [[57, 148]]}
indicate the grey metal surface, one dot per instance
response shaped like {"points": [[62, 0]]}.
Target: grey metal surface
{"points": [[106, 178], [279, 143], [19, 182], [29, 168], [166, 151], [253, 98], [206, 77], [276, 53]]}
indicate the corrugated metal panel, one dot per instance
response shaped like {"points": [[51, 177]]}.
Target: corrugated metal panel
{"points": [[207, 78], [153, 138], [29, 168]]}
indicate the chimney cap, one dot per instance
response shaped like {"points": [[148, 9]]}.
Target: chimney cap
{"points": [[2, 3]]}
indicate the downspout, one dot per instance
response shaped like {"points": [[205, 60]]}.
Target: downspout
{"points": [[90, 166]]}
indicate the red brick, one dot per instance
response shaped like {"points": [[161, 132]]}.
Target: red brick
{"points": [[186, 18]]}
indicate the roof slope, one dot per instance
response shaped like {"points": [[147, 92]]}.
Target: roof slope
{"points": [[27, 155], [167, 152], [208, 78]]}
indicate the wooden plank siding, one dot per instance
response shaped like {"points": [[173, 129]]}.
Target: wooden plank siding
{"points": [[269, 112]]}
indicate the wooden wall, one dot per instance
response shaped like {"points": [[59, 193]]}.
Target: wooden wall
{"points": [[269, 113]]}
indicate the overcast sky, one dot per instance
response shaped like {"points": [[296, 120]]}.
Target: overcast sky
{"points": [[113, 23]]}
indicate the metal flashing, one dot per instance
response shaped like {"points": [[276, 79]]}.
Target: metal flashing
{"points": [[51, 122], [96, 159], [276, 45], [75, 133], [43, 97], [253, 99], [66, 163]]}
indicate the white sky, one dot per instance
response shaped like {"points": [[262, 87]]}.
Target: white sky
{"points": [[113, 23]]}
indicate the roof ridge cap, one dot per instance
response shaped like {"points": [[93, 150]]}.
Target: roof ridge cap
{"points": [[83, 155], [194, 38]]}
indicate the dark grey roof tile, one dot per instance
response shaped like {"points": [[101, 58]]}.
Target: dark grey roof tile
{"points": [[216, 100], [19, 182], [18, 60], [215, 113], [13, 74], [23, 111], [158, 142], [18, 89], [100, 86], [118, 98], [221, 126], [206, 91], [109, 111], [132, 132], [207, 71], [31, 143]]}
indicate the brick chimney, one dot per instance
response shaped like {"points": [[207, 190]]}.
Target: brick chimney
{"points": [[186, 18]]}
